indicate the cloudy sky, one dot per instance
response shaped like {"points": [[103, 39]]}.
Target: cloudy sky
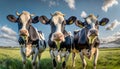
{"points": [[78, 8]]}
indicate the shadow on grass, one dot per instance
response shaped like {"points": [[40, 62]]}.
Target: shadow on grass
{"points": [[11, 63]]}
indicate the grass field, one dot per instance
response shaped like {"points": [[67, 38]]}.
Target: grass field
{"points": [[109, 58]]}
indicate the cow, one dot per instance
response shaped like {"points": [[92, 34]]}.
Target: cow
{"points": [[60, 41], [32, 42], [86, 41]]}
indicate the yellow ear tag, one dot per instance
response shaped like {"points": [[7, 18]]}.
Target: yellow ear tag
{"points": [[103, 23], [71, 22]]}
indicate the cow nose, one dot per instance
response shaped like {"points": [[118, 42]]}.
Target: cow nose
{"points": [[94, 32], [58, 36], [23, 32]]}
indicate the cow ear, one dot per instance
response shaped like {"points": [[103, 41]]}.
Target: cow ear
{"points": [[35, 19], [43, 19], [71, 20], [79, 23], [104, 21], [12, 18]]}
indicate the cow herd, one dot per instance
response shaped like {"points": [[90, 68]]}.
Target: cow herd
{"points": [[61, 43]]}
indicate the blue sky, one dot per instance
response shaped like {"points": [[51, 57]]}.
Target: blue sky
{"points": [[111, 9]]}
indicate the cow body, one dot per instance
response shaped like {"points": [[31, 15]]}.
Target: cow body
{"points": [[59, 39], [32, 42], [86, 41]]}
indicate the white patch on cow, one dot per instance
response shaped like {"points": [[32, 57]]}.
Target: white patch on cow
{"points": [[90, 53], [41, 36], [53, 53], [58, 55], [22, 51], [88, 20], [24, 18], [85, 52]]}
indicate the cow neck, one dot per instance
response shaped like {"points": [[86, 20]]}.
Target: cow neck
{"points": [[83, 36]]}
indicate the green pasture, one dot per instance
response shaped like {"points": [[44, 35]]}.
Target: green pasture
{"points": [[109, 58]]}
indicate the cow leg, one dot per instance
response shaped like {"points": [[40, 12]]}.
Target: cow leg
{"points": [[39, 56], [73, 59], [34, 58], [53, 59], [22, 51], [66, 58], [83, 60], [95, 58]]}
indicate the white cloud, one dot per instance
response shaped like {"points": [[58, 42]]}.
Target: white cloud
{"points": [[108, 3], [83, 14], [7, 30], [113, 25], [7, 42], [8, 36], [113, 38], [71, 3], [53, 3]]}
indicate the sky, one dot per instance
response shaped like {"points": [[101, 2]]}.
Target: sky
{"points": [[78, 8]]}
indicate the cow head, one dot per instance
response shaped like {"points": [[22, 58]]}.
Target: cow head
{"points": [[24, 21], [57, 23], [92, 25]]}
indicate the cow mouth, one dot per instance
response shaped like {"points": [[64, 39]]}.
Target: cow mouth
{"points": [[92, 38], [59, 39], [24, 37]]}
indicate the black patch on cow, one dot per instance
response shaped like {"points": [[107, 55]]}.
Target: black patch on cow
{"points": [[54, 63], [67, 44], [32, 33], [83, 37], [64, 64], [21, 41]]}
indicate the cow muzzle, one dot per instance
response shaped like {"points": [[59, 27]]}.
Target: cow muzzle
{"points": [[93, 32], [59, 37], [92, 35], [23, 33]]}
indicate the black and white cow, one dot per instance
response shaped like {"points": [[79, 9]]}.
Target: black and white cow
{"points": [[59, 39], [86, 41], [32, 42]]}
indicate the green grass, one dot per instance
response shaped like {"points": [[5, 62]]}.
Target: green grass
{"points": [[109, 58]]}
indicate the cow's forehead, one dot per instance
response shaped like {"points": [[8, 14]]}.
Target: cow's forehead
{"points": [[24, 17], [57, 19]]}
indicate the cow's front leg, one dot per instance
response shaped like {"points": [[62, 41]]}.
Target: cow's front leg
{"points": [[39, 56], [53, 55], [65, 61], [22, 51], [34, 58], [73, 59], [83, 60], [95, 58]]}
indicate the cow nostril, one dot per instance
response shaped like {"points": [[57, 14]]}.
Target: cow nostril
{"points": [[54, 35], [25, 31]]}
